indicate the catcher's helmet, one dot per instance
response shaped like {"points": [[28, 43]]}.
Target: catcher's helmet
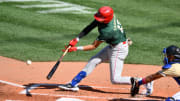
{"points": [[171, 51], [104, 14]]}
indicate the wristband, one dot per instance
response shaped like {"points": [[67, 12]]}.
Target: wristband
{"points": [[80, 48], [77, 39], [142, 81]]}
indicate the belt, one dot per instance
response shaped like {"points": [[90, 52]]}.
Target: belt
{"points": [[124, 42]]}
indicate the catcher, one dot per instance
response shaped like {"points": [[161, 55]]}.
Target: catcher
{"points": [[111, 32], [171, 68]]}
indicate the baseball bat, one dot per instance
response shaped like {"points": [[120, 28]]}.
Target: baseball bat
{"points": [[57, 64]]}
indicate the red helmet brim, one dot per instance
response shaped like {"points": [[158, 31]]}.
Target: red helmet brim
{"points": [[99, 18]]}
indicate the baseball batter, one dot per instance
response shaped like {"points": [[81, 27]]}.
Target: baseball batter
{"points": [[171, 68], [110, 31]]}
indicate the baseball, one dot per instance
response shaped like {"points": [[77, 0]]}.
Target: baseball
{"points": [[28, 62]]}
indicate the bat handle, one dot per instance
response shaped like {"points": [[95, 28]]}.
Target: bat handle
{"points": [[65, 52]]}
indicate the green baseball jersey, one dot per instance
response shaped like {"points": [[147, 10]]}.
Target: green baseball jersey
{"points": [[111, 33]]}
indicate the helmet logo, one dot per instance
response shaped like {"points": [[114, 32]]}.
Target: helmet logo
{"points": [[178, 50]]}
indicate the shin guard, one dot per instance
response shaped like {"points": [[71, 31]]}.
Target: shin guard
{"points": [[78, 78]]}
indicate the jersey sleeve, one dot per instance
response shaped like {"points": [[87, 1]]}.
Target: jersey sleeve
{"points": [[162, 72], [88, 28], [165, 70], [172, 71]]}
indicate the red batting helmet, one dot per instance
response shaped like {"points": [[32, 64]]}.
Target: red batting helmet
{"points": [[104, 14]]}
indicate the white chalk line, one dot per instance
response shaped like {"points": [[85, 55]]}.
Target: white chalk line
{"points": [[86, 97], [68, 99], [60, 6], [104, 87], [37, 85], [34, 86], [73, 10], [12, 84], [72, 96], [43, 6], [28, 89], [23, 0]]}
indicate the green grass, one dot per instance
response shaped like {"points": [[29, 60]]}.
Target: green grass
{"points": [[26, 34]]}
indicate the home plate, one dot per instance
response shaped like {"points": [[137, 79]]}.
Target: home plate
{"points": [[68, 99]]}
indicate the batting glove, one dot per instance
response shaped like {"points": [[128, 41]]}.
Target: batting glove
{"points": [[134, 87], [73, 42], [70, 49]]}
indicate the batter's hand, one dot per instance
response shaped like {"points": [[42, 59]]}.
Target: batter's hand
{"points": [[70, 49], [73, 42]]}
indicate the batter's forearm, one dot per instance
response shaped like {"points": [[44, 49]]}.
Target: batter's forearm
{"points": [[93, 46], [89, 47], [86, 48]]}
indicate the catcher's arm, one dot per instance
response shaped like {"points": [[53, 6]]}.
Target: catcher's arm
{"points": [[152, 77], [135, 84]]}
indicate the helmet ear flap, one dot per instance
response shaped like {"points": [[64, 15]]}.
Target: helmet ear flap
{"points": [[165, 60], [164, 50], [165, 56]]}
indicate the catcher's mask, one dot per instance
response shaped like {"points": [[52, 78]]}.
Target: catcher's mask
{"points": [[169, 52]]}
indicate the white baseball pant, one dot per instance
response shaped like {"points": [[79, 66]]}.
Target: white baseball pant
{"points": [[115, 55]]}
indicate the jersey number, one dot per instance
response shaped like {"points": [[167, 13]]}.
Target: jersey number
{"points": [[119, 26]]}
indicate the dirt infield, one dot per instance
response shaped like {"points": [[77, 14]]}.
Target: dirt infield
{"points": [[22, 82]]}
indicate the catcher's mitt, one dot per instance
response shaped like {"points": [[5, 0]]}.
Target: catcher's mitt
{"points": [[134, 87]]}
